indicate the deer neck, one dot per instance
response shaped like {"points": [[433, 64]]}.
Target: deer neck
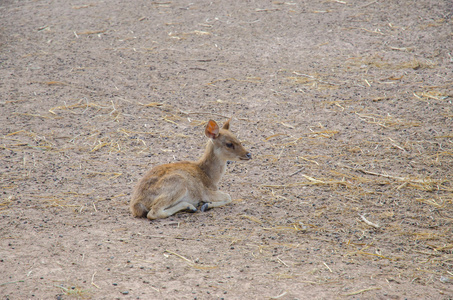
{"points": [[213, 165]]}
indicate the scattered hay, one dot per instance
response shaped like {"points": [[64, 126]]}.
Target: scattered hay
{"points": [[433, 95], [378, 61], [310, 181], [386, 121], [79, 104], [424, 184], [32, 140], [313, 81], [113, 146], [112, 175], [362, 252], [5, 204], [440, 203]]}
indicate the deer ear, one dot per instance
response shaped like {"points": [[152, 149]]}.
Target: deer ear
{"points": [[226, 126], [212, 129]]}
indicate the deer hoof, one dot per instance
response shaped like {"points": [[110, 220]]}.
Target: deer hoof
{"points": [[204, 207]]}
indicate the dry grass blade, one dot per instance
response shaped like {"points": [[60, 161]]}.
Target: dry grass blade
{"points": [[295, 227], [249, 80], [92, 281], [114, 146], [312, 80], [438, 204], [251, 218], [153, 104], [425, 184], [111, 174], [6, 203], [360, 252], [434, 95], [279, 296], [369, 222], [309, 160], [77, 105], [311, 181], [324, 133], [83, 6], [88, 32], [31, 115], [387, 121], [190, 262], [170, 119], [202, 113], [446, 248], [55, 83], [128, 132], [362, 291], [11, 282], [275, 135]]}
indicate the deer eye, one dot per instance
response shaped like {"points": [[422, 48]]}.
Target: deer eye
{"points": [[230, 145]]}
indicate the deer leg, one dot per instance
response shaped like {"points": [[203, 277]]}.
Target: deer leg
{"points": [[221, 199], [166, 205], [166, 212]]}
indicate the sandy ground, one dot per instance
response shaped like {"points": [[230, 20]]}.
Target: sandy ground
{"points": [[346, 107]]}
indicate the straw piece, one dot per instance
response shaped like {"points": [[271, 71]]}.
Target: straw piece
{"points": [[83, 6], [368, 222], [250, 80], [89, 32], [6, 203], [11, 282], [328, 268], [362, 291], [439, 204], [92, 281], [153, 104], [55, 83], [371, 254], [311, 181], [282, 262], [251, 218], [275, 135], [279, 296], [387, 121], [111, 174], [295, 227], [202, 113], [191, 263], [180, 256]]}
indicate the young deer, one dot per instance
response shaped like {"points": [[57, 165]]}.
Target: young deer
{"points": [[169, 188]]}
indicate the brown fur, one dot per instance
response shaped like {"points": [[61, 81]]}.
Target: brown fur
{"points": [[167, 189]]}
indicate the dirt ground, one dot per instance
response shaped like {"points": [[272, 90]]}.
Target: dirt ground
{"points": [[346, 107]]}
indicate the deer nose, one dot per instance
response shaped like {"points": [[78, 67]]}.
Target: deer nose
{"points": [[249, 155]]}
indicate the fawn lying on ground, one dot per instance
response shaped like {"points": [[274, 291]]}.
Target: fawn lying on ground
{"points": [[169, 188]]}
